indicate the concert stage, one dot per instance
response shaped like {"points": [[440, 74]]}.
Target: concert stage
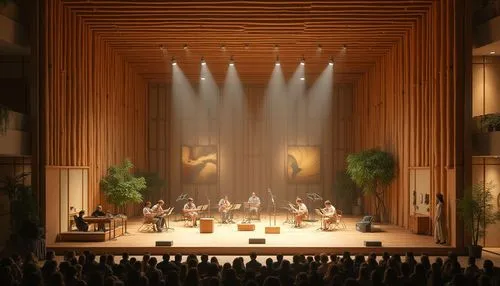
{"points": [[226, 240]]}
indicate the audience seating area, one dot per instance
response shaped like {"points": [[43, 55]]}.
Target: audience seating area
{"points": [[192, 270]]}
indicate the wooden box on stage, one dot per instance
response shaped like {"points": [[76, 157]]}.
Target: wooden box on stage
{"points": [[246, 227], [272, 229], [206, 225], [420, 224]]}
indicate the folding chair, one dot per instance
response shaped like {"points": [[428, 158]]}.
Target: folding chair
{"points": [[148, 225]]}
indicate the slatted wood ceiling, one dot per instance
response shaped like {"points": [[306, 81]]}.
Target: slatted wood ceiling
{"points": [[249, 31]]}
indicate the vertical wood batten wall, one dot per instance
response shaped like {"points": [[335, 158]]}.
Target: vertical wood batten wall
{"points": [[252, 134], [96, 105], [408, 103]]}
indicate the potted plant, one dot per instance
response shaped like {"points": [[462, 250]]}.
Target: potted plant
{"points": [[491, 122], [477, 211], [121, 187], [345, 190], [372, 170]]}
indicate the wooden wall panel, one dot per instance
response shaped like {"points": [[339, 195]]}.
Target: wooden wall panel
{"points": [[96, 104], [252, 128], [408, 104]]}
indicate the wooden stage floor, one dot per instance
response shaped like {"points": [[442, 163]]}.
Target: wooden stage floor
{"points": [[226, 240]]}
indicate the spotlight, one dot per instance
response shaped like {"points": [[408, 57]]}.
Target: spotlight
{"points": [[202, 78], [330, 62], [247, 46], [203, 62], [185, 47], [223, 47], [492, 52], [303, 61], [276, 47], [231, 61], [277, 63], [174, 62], [344, 48], [319, 48], [302, 78]]}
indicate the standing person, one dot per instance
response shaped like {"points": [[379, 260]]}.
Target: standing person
{"points": [[224, 206], [190, 211], [439, 222]]}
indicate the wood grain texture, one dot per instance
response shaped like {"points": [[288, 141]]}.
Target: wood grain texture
{"points": [[409, 104], [252, 131], [96, 103]]}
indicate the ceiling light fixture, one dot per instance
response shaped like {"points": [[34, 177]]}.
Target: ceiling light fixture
{"points": [[320, 48], [174, 62], [492, 52], [223, 47], [344, 48], [330, 62], [185, 47], [203, 62], [277, 63], [303, 61], [231, 61], [302, 78], [276, 47], [202, 78]]}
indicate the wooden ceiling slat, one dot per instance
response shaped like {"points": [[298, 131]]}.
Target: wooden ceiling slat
{"points": [[249, 30]]}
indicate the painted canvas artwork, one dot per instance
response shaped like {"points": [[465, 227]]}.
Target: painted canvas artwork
{"points": [[304, 164], [199, 164]]}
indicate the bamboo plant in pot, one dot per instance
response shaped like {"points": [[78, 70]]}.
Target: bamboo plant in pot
{"points": [[372, 170], [121, 187], [477, 211]]}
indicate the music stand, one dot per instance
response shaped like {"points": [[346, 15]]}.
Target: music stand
{"points": [[312, 197], [168, 218], [181, 198], [271, 204], [320, 213]]}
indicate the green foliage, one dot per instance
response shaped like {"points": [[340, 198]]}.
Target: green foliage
{"points": [[371, 169], [23, 205], [477, 210], [120, 186], [154, 183], [490, 121], [4, 119]]}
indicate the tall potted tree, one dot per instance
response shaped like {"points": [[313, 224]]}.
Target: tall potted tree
{"points": [[154, 183], [477, 211], [121, 187], [372, 170]]}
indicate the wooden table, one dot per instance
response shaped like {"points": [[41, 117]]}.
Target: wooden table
{"points": [[111, 221]]}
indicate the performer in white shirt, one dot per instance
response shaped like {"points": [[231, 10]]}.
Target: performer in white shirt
{"points": [[300, 213], [254, 204], [329, 214], [150, 216], [159, 212], [190, 211], [224, 206]]}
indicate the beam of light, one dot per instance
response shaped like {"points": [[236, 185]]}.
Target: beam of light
{"points": [[231, 131], [320, 94]]}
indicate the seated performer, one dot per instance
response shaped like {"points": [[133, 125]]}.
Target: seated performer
{"points": [[329, 214], [190, 211], [254, 204], [149, 215], [159, 212], [99, 213], [300, 212], [80, 223], [224, 206]]}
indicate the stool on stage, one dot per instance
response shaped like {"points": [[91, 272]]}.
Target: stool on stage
{"points": [[206, 225]]}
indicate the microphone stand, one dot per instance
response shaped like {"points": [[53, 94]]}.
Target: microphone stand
{"points": [[273, 214]]}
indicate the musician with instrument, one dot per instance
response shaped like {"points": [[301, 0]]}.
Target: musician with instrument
{"points": [[300, 212], [150, 216], [254, 204], [329, 214], [224, 210], [159, 212], [191, 211]]}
